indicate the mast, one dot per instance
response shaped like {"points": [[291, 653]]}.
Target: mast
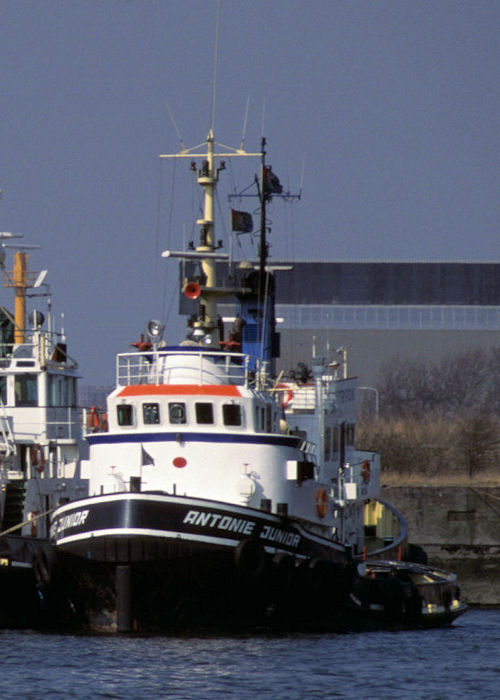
{"points": [[21, 280], [206, 328], [208, 177], [20, 284]]}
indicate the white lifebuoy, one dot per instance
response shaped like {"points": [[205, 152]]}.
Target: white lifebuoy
{"points": [[287, 394]]}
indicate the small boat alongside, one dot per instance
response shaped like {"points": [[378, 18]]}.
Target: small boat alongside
{"points": [[405, 594]]}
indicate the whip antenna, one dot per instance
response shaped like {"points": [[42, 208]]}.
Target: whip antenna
{"points": [[244, 130], [216, 51], [183, 145]]}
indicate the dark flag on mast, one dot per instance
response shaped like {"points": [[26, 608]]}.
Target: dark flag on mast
{"points": [[272, 185], [241, 221]]}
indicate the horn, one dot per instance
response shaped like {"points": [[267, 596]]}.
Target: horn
{"points": [[192, 290]]}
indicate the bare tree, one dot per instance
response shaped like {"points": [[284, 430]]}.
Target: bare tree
{"points": [[438, 419]]}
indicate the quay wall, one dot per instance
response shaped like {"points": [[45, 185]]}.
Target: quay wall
{"points": [[459, 528]]}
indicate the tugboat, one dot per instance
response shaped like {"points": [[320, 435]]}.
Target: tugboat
{"points": [[40, 442], [222, 496]]}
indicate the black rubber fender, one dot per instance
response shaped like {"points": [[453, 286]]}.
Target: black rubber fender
{"points": [[283, 571], [44, 565], [250, 558], [393, 598]]}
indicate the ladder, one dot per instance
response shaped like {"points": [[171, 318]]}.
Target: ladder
{"points": [[7, 442]]}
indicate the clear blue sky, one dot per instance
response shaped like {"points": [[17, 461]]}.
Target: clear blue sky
{"points": [[394, 104]]}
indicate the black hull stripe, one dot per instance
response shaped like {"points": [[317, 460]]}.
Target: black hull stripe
{"points": [[125, 515], [186, 436]]}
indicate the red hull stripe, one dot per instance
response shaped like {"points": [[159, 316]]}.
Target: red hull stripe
{"points": [[180, 389]]}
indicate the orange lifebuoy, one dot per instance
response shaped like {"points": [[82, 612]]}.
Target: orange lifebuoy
{"points": [[365, 471], [321, 502], [104, 422], [94, 420], [37, 456]]}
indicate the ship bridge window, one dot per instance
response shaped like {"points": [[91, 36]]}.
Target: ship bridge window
{"points": [[177, 413], [151, 413], [125, 414], [26, 390], [3, 389], [204, 413], [231, 413], [61, 391], [269, 418]]}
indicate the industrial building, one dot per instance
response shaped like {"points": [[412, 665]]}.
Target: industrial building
{"points": [[379, 311]]}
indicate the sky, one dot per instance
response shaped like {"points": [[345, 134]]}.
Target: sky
{"points": [[383, 113]]}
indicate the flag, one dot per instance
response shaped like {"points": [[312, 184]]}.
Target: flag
{"points": [[272, 185], [241, 221], [146, 458]]}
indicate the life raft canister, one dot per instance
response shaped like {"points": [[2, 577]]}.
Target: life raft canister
{"points": [[365, 471], [321, 502]]}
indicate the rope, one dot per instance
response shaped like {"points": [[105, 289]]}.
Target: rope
{"points": [[484, 493], [26, 522]]}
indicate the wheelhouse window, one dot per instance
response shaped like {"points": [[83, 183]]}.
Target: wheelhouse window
{"points": [[61, 391], [204, 413], [177, 413], [125, 414], [26, 390], [151, 413], [231, 414], [3, 389]]}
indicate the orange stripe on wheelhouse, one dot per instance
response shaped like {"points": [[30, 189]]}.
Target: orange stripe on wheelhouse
{"points": [[180, 389]]}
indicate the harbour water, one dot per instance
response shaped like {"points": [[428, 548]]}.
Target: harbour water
{"points": [[457, 662]]}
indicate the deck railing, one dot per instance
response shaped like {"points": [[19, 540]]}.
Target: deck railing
{"points": [[197, 366]]}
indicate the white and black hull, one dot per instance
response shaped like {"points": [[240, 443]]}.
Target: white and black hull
{"points": [[154, 562]]}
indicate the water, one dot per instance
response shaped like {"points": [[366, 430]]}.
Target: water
{"points": [[457, 662]]}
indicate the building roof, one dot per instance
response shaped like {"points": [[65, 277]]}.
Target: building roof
{"points": [[386, 283], [391, 283]]}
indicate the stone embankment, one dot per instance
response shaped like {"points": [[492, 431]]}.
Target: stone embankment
{"points": [[459, 528]]}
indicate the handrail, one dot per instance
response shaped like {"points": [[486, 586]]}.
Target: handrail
{"points": [[191, 365]]}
